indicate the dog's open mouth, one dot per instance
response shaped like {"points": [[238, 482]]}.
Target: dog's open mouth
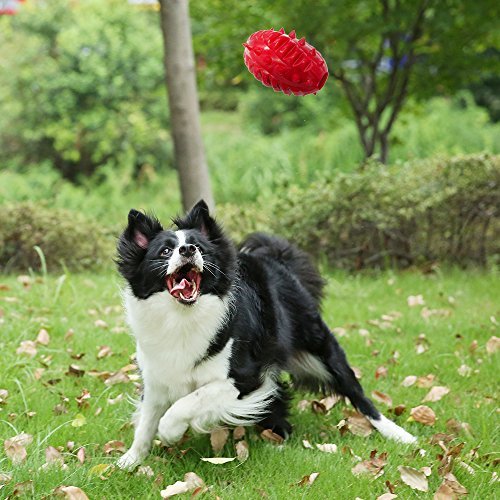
{"points": [[184, 284]]}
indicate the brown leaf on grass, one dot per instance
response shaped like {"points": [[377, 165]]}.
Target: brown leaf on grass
{"points": [[426, 313], [374, 465], [4, 394], [53, 456], [450, 489], [493, 345], [380, 372], [27, 348], [303, 404], [71, 493], [357, 372], [409, 381], [421, 344], [5, 478], [114, 401], [387, 496], [38, 372], [436, 393], [69, 334], [309, 479], [330, 401], [218, 460], [218, 439], [75, 371], [80, 454], [423, 415], [239, 433], [60, 409], [43, 337], [415, 300], [24, 488], [327, 447], [414, 478], [318, 407], [272, 437], [426, 382], [25, 280], [15, 447], [99, 323], [117, 378], [358, 425], [382, 398], [399, 410], [242, 451], [464, 370], [82, 399], [114, 445], [473, 346], [104, 352], [457, 427], [145, 470], [306, 444]]}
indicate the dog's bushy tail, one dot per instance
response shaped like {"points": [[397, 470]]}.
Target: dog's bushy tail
{"points": [[297, 261]]}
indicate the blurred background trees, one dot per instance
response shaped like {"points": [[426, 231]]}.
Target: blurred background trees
{"points": [[85, 122]]}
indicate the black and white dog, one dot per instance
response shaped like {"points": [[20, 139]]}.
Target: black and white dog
{"points": [[216, 327]]}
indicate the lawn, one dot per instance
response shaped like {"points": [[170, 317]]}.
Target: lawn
{"points": [[57, 393]]}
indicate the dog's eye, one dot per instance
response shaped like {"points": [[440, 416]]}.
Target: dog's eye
{"points": [[166, 252]]}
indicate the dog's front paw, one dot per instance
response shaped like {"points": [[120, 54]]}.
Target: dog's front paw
{"points": [[129, 461], [171, 431]]}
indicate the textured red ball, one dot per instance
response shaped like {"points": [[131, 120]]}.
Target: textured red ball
{"points": [[285, 63]]}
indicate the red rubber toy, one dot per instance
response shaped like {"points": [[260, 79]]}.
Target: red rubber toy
{"points": [[285, 63]]}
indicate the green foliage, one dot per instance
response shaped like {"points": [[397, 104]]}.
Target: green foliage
{"points": [[433, 210], [64, 238], [82, 86]]}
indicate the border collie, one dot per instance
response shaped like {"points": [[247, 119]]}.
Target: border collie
{"points": [[215, 327]]}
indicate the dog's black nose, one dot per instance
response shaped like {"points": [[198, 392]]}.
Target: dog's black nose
{"points": [[187, 250]]}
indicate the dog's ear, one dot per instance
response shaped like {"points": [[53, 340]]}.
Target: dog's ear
{"points": [[199, 218], [141, 228]]}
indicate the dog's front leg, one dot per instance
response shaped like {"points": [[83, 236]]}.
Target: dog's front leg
{"points": [[202, 409], [149, 413]]}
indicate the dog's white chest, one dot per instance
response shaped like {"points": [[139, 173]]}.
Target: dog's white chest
{"points": [[172, 338]]}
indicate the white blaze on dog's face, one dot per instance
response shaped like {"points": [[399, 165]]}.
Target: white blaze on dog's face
{"points": [[184, 263]]}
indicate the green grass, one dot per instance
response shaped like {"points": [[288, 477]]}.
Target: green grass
{"points": [[76, 303]]}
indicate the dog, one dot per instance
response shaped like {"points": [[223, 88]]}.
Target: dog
{"points": [[216, 326]]}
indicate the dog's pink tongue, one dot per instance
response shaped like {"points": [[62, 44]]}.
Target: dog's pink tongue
{"points": [[183, 285]]}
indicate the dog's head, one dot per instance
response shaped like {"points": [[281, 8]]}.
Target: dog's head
{"points": [[193, 259]]}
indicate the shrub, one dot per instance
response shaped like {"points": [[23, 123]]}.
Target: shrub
{"points": [[430, 210], [82, 86], [65, 237]]}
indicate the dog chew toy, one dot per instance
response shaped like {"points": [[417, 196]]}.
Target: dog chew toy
{"points": [[285, 63]]}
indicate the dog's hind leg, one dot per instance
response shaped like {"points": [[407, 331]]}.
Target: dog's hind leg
{"points": [[276, 416], [325, 363]]}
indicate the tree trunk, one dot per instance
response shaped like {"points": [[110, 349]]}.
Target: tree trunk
{"points": [[180, 71]]}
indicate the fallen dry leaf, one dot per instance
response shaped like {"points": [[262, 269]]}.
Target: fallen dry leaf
{"points": [[374, 465], [114, 445], [4, 394], [71, 493], [23, 488], [80, 454], [117, 378], [493, 345], [306, 444], [436, 393], [464, 371], [309, 479], [79, 420], [457, 427], [53, 456], [421, 344], [218, 439], [399, 410], [99, 323], [423, 415], [43, 337], [118, 399], [359, 425], [380, 372], [27, 347], [409, 381], [75, 371], [82, 399], [327, 448], [239, 433], [450, 488], [303, 404], [425, 382], [242, 451], [272, 437], [104, 351], [382, 398], [5, 478], [387, 496], [415, 300], [218, 460], [145, 470], [15, 447], [414, 478]]}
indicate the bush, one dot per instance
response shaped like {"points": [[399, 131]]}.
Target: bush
{"points": [[81, 86], [431, 210], [65, 237]]}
